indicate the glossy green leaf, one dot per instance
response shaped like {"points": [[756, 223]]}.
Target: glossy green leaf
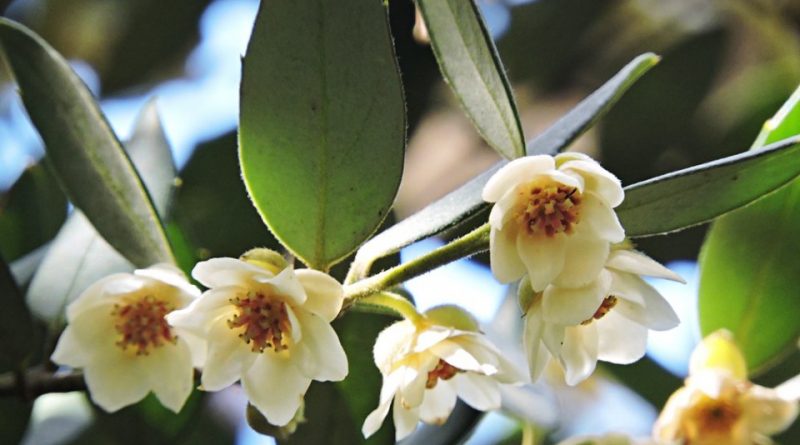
{"points": [[471, 66], [83, 150], [16, 324], [79, 256], [703, 192], [466, 201], [322, 125], [30, 213], [749, 269]]}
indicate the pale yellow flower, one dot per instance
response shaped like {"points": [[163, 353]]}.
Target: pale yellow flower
{"points": [[118, 334], [607, 439], [718, 405], [430, 362], [553, 219], [268, 326]]}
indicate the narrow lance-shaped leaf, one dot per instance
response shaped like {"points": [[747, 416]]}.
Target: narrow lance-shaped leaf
{"points": [[471, 66], [79, 256], [466, 201], [84, 152], [322, 124], [749, 270], [703, 192]]}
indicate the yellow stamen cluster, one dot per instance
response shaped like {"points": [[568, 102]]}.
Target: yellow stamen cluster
{"points": [[605, 307], [141, 324], [442, 371], [265, 321], [550, 209]]}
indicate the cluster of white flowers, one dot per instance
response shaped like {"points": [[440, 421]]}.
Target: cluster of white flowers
{"points": [[553, 222]]}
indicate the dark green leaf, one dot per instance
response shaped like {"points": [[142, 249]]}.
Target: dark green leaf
{"points": [[83, 150], [16, 325], [466, 201], [31, 213], [322, 125], [703, 192], [79, 256], [749, 266], [471, 66]]}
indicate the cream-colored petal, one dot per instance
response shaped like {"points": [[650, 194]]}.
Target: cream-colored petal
{"points": [[601, 219], [504, 258], [433, 335], [218, 272], [198, 347], [286, 285], [637, 263], [93, 329], [455, 354], [393, 343], [414, 377], [295, 328], [405, 420], [514, 173], [620, 340], [491, 358], [598, 180], [535, 351], [171, 275], [70, 352], [275, 388], [204, 312], [324, 293], [584, 258], [227, 359], [96, 293], [438, 404], [653, 312], [579, 353], [553, 337], [170, 374], [478, 391], [572, 181], [767, 412], [319, 356], [375, 419], [571, 306], [544, 258], [115, 382]]}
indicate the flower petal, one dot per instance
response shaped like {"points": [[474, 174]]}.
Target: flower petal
{"points": [[620, 340], [392, 343], [598, 179], [767, 412], [601, 218], [97, 294], [227, 359], [579, 353], [218, 272], [504, 258], [637, 263], [405, 420], [115, 383], [91, 333], [275, 388], [653, 311], [455, 354], [571, 306], [69, 350], [514, 173], [478, 391], [170, 374], [375, 419], [414, 376], [532, 342], [543, 258], [584, 258], [438, 404], [502, 211], [204, 312], [171, 275], [324, 293], [553, 337], [286, 285], [319, 356]]}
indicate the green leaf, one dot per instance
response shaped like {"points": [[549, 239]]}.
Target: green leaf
{"points": [[79, 256], [465, 202], [30, 213], [703, 192], [322, 127], [471, 66], [83, 150], [749, 273], [16, 325]]}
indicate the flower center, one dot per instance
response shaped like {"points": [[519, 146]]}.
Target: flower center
{"points": [[551, 209], [142, 326], [265, 321], [442, 371], [713, 416], [606, 306]]}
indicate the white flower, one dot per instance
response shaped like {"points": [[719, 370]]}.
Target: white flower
{"points": [[606, 439], [268, 326], [718, 405], [553, 219], [426, 364], [118, 335], [605, 320]]}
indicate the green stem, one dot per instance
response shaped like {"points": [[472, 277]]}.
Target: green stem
{"points": [[469, 244], [394, 302]]}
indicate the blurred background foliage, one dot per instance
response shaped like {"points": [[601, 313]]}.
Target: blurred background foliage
{"points": [[727, 66]]}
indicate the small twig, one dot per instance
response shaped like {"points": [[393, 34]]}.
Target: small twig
{"points": [[36, 381]]}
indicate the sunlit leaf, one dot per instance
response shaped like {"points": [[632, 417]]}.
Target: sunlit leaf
{"points": [[470, 64], [749, 266], [83, 150], [322, 124], [700, 193], [466, 201], [79, 256]]}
